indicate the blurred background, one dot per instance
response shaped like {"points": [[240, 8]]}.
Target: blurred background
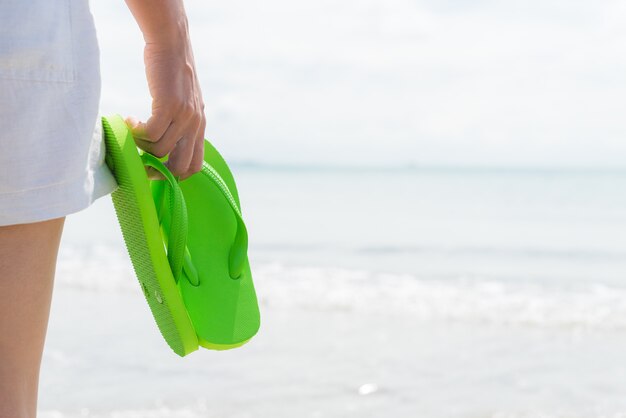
{"points": [[435, 197]]}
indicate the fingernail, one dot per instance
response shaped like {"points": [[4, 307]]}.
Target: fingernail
{"points": [[132, 121]]}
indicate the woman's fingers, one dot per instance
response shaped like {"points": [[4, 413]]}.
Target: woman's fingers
{"points": [[154, 174], [188, 155], [195, 164], [177, 108], [152, 130], [179, 141], [180, 157]]}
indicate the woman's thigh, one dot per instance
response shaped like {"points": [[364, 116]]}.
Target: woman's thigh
{"points": [[28, 254]]}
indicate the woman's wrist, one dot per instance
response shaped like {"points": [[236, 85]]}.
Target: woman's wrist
{"points": [[175, 35], [162, 22]]}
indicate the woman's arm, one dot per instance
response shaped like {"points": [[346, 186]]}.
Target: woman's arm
{"points": [[176, 126]]}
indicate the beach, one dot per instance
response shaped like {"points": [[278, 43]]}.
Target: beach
{"points": [[434, 196], [105, 358], [436, 320]]}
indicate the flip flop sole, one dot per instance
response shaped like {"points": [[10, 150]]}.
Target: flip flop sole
{"points": [[224, 311], [136, 213]]}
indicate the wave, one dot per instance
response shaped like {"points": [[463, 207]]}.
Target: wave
{"points": [[501, 251], [588, 305], [203, 411], [193, 411]]}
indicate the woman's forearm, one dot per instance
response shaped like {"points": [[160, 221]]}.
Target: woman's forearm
{"points": [[161, 21], [176, 126]]}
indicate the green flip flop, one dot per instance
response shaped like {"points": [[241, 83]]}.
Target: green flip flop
{"points": [[188, 245]]}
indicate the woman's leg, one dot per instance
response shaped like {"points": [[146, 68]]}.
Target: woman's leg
{"points": [[28, 254]]}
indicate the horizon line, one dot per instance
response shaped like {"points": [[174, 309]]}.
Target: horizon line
{"points": [[425, 167]]}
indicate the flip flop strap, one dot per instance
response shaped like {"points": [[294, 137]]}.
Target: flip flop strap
{"points": [[239, 249], [177, 252]]}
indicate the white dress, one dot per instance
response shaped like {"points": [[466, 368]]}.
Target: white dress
{"points": [[51, 144]]}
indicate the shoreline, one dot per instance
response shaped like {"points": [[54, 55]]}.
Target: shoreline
{"points": [[105, 357]]}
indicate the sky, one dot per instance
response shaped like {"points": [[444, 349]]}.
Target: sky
{"points": [[395, 82]]}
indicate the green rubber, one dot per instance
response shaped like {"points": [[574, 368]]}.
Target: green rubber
{"points": [[212, 301], [224, 307]]}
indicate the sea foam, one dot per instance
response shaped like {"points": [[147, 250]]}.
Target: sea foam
{"points": [[581, 304]]}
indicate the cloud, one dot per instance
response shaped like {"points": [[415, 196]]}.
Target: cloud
{"points": [[488, 82]]}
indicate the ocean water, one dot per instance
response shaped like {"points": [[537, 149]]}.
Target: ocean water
{"points": [[398, 291]]}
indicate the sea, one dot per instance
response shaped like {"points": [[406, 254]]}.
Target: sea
{"points": [[422, 242], [408, 291]]}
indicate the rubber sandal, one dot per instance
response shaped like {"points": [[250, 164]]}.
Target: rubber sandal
{"points": [[188, 245]]}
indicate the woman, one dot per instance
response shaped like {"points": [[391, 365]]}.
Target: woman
{"points": [[52, 152]]}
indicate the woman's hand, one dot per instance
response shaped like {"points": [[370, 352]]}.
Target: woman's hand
{"points": [[176, 126]]}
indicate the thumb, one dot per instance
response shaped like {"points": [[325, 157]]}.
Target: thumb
{"points": [[137, 128], [151, 130]]}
